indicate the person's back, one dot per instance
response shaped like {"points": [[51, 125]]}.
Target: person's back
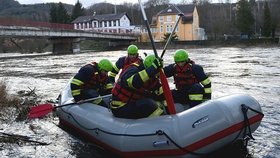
{"points": [[130, 93], [91, 81], [193, 86], [125, 61]]}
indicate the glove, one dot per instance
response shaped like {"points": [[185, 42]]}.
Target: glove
{"points": [[153, 70], [158, 63]]}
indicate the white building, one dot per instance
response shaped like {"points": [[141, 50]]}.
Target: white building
{"points": [[115, 23]]}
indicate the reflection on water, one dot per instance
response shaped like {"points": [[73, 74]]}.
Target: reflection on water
{"points": [[254, 71]]}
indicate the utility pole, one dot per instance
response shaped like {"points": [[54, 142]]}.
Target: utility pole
{"points": [[230, 12], [115, 7]]}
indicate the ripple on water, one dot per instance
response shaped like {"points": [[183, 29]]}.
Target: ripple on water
{"points": [[254, 71]]}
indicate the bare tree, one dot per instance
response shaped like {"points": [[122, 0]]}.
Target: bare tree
{"points": [[185, 1], [154, 3]]}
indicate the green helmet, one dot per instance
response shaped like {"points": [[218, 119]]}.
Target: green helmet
{"points": [[149, 60], [132, 50], [181, 55], [105, 65]]}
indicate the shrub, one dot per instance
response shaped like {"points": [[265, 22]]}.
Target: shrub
{"points": [[5, 98]]}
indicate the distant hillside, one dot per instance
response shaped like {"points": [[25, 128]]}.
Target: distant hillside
{"points": [[41, 12], [36, 12], [6, 4]]}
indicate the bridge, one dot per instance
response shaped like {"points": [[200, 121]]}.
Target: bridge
{"points": [[63, 36]]}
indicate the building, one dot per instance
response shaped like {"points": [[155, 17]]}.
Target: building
{"points": [[188, 27], [115, 23]]}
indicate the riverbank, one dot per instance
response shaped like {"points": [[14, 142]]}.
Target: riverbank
{"points": [[97, 46], [268, 42]]}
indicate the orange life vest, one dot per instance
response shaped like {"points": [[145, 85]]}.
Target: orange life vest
{"points": [[128, 62], [125, 94], [184, 76]]}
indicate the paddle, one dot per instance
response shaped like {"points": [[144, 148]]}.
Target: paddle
{"points": [[165, 86], [170, 36], [43, 109]]}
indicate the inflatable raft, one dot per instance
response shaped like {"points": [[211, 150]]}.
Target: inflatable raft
{"points": [[195, 132]]}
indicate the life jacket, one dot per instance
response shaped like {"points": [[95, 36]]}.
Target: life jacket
{"points": [[98, 79], [127, 63], [127, 95], [124, 94], [151, 83], [184, 76]]}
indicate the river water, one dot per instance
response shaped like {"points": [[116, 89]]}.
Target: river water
{"points": [[255, 71]]}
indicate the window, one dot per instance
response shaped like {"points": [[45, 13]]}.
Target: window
{"points": [[95, 24], [161, 28], [161, 19], [169, 10], [169, 28], [153, 30], [169, 18]]}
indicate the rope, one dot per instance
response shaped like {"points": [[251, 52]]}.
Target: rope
{"points": [[247, 136], [160, 132]]}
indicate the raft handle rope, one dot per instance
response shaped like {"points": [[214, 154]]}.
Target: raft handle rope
{"points": [[158, 132], [244, 109], [248, 136]]}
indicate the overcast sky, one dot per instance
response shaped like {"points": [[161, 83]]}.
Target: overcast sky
{"points": [[87, 3]]}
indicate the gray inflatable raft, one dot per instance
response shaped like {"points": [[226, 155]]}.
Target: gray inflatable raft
{"points": [[189, 133]]}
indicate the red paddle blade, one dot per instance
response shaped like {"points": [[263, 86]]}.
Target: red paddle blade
{"points": [[167, 93], [40, 110]]}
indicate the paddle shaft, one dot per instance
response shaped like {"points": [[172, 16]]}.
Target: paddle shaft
{"points": [[44, 109], [165, 86], [148, 28], [82, 101], [170, 36]]}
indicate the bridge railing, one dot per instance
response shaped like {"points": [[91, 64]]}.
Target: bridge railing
{"points": [[15, 23], [124, 31]]}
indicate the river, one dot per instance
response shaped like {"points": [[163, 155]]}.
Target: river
{"points": [[253, 70]]}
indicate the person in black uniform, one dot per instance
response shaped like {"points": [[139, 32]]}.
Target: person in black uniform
{"points": [[193, 86], [138, 92], [125, 61], [91, 81]]}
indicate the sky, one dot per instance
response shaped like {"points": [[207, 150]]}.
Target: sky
{"points": [[87, 3]]}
